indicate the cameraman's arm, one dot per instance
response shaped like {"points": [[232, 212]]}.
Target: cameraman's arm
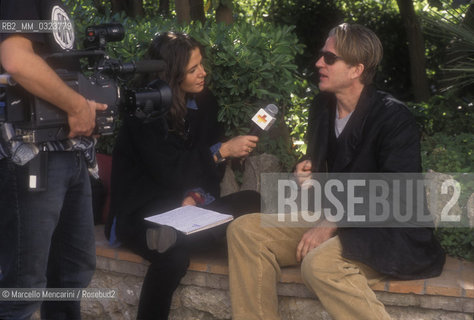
{"points": [[32, 73]]}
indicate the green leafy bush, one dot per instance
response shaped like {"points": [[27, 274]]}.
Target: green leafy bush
{"points": [[312, 20], [297, 119], [448, 153], [249, 66], [457, 242], [449, 113]]}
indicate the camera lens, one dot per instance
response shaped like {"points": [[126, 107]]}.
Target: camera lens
{"points": [[151, 102]]}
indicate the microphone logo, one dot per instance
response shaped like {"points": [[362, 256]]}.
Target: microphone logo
{"points": [[262, 119], [265, 118]]}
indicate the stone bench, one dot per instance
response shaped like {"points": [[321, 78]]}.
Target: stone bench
{"points": [[203, 293]]}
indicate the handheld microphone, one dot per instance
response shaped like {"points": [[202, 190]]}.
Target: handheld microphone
{"points": [[263, 120]]}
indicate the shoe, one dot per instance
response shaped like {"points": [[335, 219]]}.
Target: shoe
{"points": [[161, 238]]}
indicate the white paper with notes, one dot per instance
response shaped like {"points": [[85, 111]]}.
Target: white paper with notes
{"points": [[190, 219]]}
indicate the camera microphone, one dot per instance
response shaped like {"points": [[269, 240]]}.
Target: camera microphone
{"points": [[98, 36], [263, 120]]}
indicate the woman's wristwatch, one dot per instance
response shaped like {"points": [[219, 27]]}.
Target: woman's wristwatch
{"points": [[219, 157]]}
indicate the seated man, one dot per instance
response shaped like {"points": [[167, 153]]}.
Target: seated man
{"points": [[353, 128]]}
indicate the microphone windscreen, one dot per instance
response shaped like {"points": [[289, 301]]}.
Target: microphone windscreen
{"points": [[272, 109]]}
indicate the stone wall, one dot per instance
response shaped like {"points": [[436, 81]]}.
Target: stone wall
{"points": [[205, 296]]}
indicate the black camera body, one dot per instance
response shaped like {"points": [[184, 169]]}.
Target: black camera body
{"points": [[37, 121]]}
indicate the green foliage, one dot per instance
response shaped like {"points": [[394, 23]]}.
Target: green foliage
{"points": [[457, 242], [448, 147], [312, 20], [447, 113], [248, 67], [297, 119], [254, 12], [456, 28], [216, 3], [445, 153]]}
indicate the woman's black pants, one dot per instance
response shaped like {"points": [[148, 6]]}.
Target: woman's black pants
{"points": [[167, 269]]}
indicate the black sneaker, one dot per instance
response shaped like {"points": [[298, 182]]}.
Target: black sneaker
{"points": [[161, 238]]}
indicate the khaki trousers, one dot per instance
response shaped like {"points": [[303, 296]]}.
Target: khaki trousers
{"points": [[259, 245]]}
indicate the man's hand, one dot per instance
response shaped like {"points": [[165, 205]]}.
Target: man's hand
{"points": [[82, 122], [238, 147], [313, 238], [188, 201], [303, 171]]}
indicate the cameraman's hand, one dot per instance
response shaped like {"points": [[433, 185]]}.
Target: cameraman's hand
{"points": [[82, 122], [238, 147]]}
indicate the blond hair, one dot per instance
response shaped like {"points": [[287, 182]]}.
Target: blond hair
{"points": [[357, 44]]}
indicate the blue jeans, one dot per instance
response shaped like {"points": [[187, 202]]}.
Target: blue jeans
{"points": [[47, 237]]}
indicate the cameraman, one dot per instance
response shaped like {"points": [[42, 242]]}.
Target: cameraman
{"points": [[46, 237]]}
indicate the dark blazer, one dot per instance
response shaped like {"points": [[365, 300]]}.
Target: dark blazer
{"points": [[154, 166], [380, 136]]}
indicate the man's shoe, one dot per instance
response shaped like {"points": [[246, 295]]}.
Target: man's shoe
{"points": [[161, 238]]}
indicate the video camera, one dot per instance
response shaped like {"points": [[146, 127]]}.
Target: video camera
{"points": [[36, 120]]}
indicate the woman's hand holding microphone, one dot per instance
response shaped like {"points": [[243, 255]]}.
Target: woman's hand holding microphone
{"points": [[238, 147]]}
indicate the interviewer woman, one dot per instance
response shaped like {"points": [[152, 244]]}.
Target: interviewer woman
{"points": [[176, 161]]}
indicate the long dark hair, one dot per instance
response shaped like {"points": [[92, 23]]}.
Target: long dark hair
{"points": [[175, 49]]}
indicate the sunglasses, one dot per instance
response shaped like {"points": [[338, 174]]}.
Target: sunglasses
{"points": [[329, 57]]}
